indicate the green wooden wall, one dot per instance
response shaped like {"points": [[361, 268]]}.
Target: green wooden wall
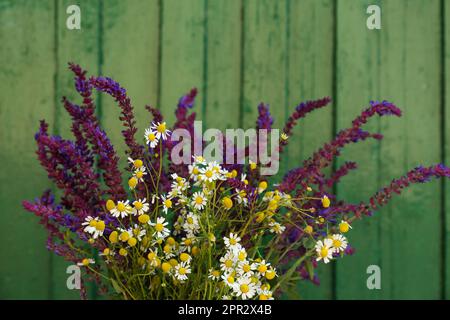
{"points": [[238, 53]]}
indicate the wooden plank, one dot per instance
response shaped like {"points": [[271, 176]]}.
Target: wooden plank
{"points": [[310, 76], [410, 76], [357, 82], [446, 136], [81, 47], [182, 53], [397, 63], [130, 57], [27, 95], [264, 61], [223, 74]]}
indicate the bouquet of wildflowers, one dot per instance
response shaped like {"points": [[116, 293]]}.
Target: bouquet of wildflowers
{"points": [[201, 229]]}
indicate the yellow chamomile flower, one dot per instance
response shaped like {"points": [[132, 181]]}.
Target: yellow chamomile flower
{"points": [[150, 137], [276, 227], [325, 201], [244, 288], [113, 237], [182, 270], [262, 267], [344, 226], [232, 242], [85, 262], [324, 250], [137, 164], [284, 136], [227, 262], [122, 209], [262, 186], [167, 203], [95, 227], [339, 242], [110, 205], [214, 274], [227, 203], [270, 274], [308, 229], [139, 174], [198, 200], [161, 130], [191, 224], [253, 165], [161, 231], [140, 207], [132, 182]]}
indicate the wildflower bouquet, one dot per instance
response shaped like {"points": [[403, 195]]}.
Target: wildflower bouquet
{"points": [[205, 229]]}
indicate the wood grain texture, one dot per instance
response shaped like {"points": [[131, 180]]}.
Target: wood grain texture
{"points": [[27, 96], [310, 76]]}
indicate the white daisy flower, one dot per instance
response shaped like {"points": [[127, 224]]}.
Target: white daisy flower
{"points": [[227, 262], [191, 224], [245, 268], [276, 227], [135, 163], [140, 173], [151, 138], [241, 197], [182, 270], [244, 288], [265, 295], [229, 279], [324, 250], [225, 297], [262, 267], [85, 262], [140, 206], [232, 241], [160, 130], [198, 200], [122, 209], [214, 274], [339, 242], [138, 232], [167, 203], [161, 231], [95, 227], [199, 160]]}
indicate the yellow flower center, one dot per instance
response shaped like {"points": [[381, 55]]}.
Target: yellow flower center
{"points": [[167, 248], [227, 203], [228, 263], [132, 242], [343, 227], [138, 163], [85, 262], [168, 203], [325, 202], [262, 268], [242, 255], [270, 275], [124, 236], [132, 182], [123, 252], [188, 242], [100, 225], [233, 241], [198, 200], [106, 252], [151, 256], [93, 223], [184, 257], [110, 205], [151, 137], [215, 273], [144, 218], [234, 173], [263, 185], [337, 243], [244, 288], [190, 220], [138, 205], [173, 262], [195, 171], [195, 250], [324, 252], [161, 127], [182, 270], [170, 241], [159, 227], [308, 229], [113, 237], [208, 174], [263, 297], [139, 174], [230, 279], [166, 267], [246, 268], [121, 207]]}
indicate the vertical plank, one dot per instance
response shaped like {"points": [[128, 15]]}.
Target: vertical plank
{"points": [[81, 47], [411, 74], [264, 61], [310, 76], [223, 74], [446, 136], [182, 53], [27, 95], [357, 83], [397, 63], [130, 57]]}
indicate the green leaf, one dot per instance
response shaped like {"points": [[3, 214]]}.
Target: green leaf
{"points": [[310, 269], [116, 286]]}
